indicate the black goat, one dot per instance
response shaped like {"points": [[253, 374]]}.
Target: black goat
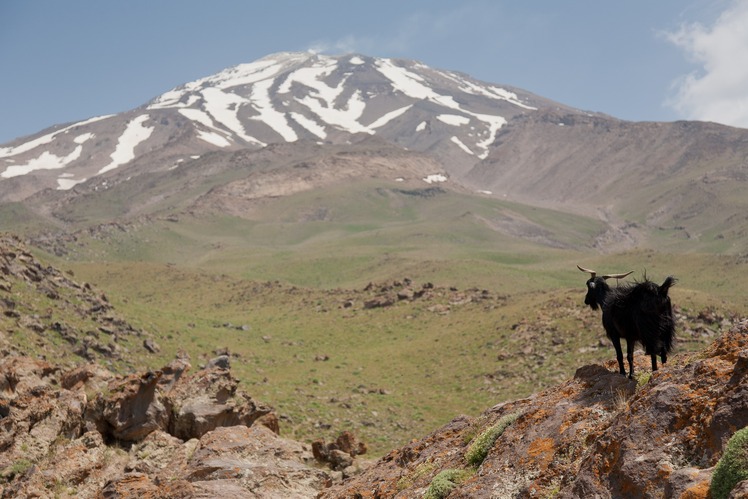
{"points": [[639, 312]]}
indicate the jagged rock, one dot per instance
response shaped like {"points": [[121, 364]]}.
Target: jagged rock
{"points": [[338, 455], [222, 362], [740, 490], [131, 410], [171, 373], [253, 461], [207, 400], [89, 377], [55, 442]]}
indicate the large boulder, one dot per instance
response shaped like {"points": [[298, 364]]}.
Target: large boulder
{"points": [[208, 400]]}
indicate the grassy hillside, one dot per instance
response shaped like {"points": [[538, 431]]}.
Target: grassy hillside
{"points": [[286, 291], [493, 310], [329, 364], [341, 236]]}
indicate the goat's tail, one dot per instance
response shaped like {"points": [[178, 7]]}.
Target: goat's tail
{"points": [[667, 334], [667, 321], [665, 286]]}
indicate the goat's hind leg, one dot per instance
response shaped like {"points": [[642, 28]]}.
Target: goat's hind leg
{"points": [[630, 357], [654, 362]]}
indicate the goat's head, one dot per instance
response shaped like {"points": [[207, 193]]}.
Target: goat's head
{"points": [[596, 286]]}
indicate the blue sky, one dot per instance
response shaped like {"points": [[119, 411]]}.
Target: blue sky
{"points": [[637, 60]]}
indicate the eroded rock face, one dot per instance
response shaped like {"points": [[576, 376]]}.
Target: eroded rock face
{"points": [[598, 435], [88, 433]]}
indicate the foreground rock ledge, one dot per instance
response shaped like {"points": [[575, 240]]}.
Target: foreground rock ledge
{"points": [[597, 435], [88, 433]]}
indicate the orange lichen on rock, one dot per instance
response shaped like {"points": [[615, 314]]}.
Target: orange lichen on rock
{"points": [[542, 450]]}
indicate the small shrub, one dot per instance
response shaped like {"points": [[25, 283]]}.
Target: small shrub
{"points": [[643, 378], [478, 450], [732, 466], [17, 468], [445, 482], [472, 431], [408, 480], [621, 400]]}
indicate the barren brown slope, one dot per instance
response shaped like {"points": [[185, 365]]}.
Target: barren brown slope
{"points": [[682, 176]]}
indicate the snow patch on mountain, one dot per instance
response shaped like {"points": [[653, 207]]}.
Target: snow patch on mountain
{"points": [[213, 138], [453, 119], [44, 139], [45, 161], [134, 134], [224, 107], [261, 102], [392, 115], [461, 145], [435, 178], [65, 182], [309, 124]]}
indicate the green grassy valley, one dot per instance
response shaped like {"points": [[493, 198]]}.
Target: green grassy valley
{"points": [[381, 310]]}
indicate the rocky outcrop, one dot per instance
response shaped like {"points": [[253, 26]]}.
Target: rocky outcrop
{"points": [[597, 435], [86, 432]]}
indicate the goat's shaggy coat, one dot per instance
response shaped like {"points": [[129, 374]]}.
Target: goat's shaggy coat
{"points": [[639, 312]]}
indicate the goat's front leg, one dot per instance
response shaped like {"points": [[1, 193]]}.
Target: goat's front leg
{"points": [[654, 362], [619, 354], [630, 356]]}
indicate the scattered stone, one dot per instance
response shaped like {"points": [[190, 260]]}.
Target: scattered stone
{"points": [[151, 345], [340, 454]]}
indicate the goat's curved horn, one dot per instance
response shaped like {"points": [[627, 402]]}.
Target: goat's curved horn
{"points": [[591, 272], [616, 276]]}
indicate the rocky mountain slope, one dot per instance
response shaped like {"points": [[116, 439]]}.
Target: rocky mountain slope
{"points": [[47, 313], [597, 435], [684, 179]]}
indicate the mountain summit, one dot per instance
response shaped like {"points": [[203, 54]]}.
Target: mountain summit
{"points": [[281, 98]]}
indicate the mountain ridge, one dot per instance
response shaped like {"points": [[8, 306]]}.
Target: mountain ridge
{"points": [[283, 97], [671, 184]]}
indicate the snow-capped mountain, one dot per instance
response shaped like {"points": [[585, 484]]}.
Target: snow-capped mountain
{"points": [[281, 98]]}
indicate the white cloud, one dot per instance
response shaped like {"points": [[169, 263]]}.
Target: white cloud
{"points": [[718, 91], [346, 45]]}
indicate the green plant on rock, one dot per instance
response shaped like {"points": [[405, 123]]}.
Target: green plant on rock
{"points": [[478, 450], [17, 468], [445, 482], [408, 480], [732, 467], [642, 378]]}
